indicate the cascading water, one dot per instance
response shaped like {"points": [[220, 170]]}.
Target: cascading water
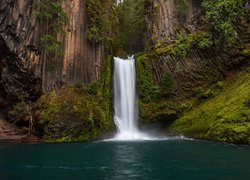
{"points": [[125, 102]]}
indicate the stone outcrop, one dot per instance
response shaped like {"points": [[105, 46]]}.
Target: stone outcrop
{"points": [[25, 70], [167, 17], [82, 59], [19, 52]]}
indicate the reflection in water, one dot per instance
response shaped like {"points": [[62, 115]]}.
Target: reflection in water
{"points": [[127, 162], [143, 160]]}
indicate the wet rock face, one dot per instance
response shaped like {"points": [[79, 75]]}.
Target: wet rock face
{"points": [[19, 52]]}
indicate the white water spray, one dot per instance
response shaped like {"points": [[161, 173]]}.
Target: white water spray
{"points": [[125, 102]]}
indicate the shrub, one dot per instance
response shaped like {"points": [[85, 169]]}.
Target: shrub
{"points": [[224, 18]]}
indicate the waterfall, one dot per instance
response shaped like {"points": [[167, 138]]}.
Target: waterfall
{"points": [[125, 100]]}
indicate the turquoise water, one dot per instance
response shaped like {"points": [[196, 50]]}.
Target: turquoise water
{"points": [[172, 159]]}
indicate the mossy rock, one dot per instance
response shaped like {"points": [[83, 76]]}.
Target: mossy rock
{"points": [[148, 90], [77, 112], [73, 113], [224, 118], [155, 111]]}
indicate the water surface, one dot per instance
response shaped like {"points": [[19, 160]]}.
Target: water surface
{"points": [[170, 159]]}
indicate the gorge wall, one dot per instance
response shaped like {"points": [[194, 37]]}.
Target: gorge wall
{"points": [[166, 19], [20, 66], [208, 86], [25, 70], [82, 59]]}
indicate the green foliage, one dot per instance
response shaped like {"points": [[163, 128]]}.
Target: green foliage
{"points": [[51, 45], [246, 50], [103, 23], [204, 93], [76, 113], [159, 111], [52, 13], [167, 85], [20, 112], [224, 117], [92, 88], [222, 28], [52, 10], [184, 43], [71, 114], [247, 102], [148, 90], [105, 85], [181, 7], [224, 18], [132, 25], [96, 16]]}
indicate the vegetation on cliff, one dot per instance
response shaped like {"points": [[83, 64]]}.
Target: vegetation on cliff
{"points": [[97, 20], [224, 19], [72, 113], [77, 113], [225, 117], [208, 113], [84, 112], [53, 16], [121, 27], [222, 25], [132, 26]]}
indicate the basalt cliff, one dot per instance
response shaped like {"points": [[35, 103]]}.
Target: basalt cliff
{"points": [[200, 85], [192, 59], [26, 69]]}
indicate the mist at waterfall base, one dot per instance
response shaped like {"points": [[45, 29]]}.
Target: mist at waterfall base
{"points": [[125, 101]]}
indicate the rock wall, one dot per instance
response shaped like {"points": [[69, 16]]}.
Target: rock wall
{"points": [[20, 65], [165, 18], [82, 59], [24, 67]]}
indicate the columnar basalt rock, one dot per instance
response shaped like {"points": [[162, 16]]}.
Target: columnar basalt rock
{"points": [[19, 51], [167, 18], [24, 67], [82, 59]]}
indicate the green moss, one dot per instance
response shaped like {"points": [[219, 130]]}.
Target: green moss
{"points": [[167, 85], [21, 113], [225, 117], [76, 113], [159, 110], [181, 5], [132, 25], [223, 24], [96, 12], [203, 93], [105, 89], [72, 114], [246, 50], [52, 13], [224, 18], [148, 90], [184, 43]]}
